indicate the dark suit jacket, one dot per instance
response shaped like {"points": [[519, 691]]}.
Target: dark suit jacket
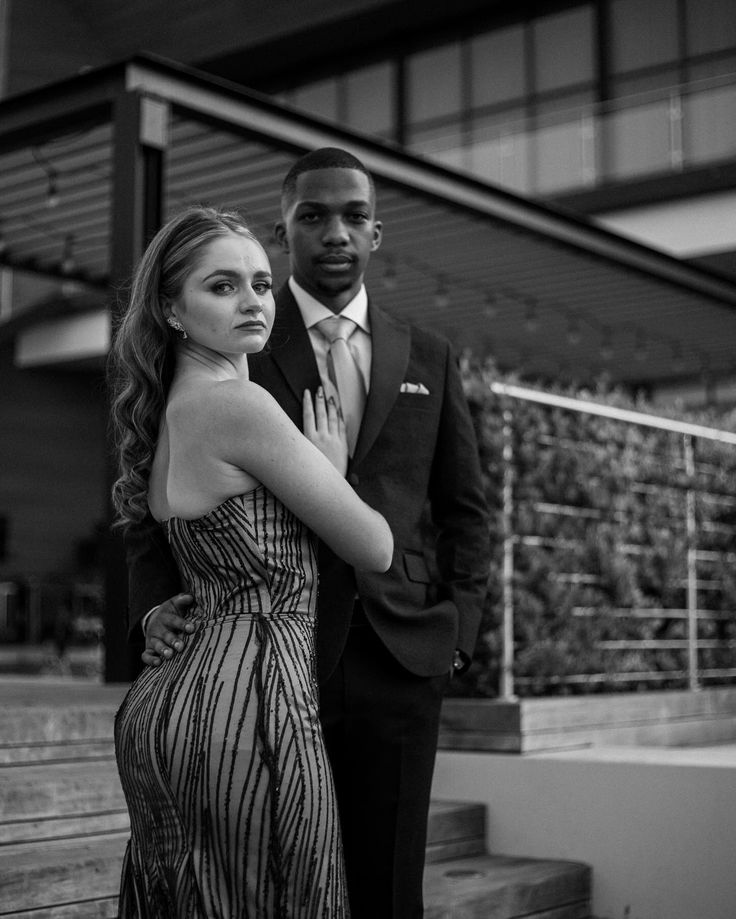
{"points": [[416, 462]]}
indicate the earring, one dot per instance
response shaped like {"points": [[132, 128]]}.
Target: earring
{"points": [[177, 326]]}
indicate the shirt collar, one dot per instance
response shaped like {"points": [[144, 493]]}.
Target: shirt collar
{"points": [[313, 311]]}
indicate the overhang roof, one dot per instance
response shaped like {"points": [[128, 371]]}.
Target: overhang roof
{"points": [[545, 292]]}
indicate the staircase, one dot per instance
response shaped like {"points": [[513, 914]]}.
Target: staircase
{"points": [[64, 825]]}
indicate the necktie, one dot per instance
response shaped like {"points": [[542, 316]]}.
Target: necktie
{"points": [[344, 373]]}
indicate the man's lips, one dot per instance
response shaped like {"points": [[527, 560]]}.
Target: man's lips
{"points": [[335, 261]]}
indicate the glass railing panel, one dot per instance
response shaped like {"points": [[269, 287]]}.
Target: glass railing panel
{"points": [[637, 140], [502, 159], [565, 157], [709, 125]]}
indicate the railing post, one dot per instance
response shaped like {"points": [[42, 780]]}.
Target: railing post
{"points": [[507, 572], [588, 149], [692, 570], [675, 123]]}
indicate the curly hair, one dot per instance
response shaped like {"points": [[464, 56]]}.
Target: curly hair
{"points": [[142, 357]]}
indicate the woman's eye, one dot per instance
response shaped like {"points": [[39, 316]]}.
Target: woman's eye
{"points": [[262, 287], [223, 287]]}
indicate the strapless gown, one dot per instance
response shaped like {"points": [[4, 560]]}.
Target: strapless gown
{"points": [[220, 749]]}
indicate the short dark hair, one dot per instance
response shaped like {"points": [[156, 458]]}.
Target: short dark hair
{"points": [[323, 158]]}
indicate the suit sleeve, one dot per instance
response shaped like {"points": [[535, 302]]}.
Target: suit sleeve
{"points": [[152, 572], [459, 510]]}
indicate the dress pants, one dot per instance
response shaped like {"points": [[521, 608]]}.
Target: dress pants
{"points": [[380, 726]]}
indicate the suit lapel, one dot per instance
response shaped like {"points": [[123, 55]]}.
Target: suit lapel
{"points": [[390, 343], [291, 348]]}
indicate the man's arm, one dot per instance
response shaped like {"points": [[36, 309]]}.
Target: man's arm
{"points": [[154, 597], [460, 513], [152, 573]]}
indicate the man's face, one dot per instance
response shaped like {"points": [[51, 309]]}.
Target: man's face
{"points": [[329, 230]]}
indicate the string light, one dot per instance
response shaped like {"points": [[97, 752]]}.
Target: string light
{"points": [[606, 346], [389, 275], [67, 259], [441, 298], [573, 330], [641, 350], [52, 176], [490, 307], [678, 360]]}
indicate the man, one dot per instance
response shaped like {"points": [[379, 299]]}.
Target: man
{"points": [[385, 642]]}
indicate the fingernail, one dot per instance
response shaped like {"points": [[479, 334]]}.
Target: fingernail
{"points": [[321, 393]]}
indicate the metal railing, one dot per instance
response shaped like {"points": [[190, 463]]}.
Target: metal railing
{"points": [[684, 493], [664, 132]]}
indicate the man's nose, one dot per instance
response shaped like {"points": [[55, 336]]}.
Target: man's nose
{"points": [[336, 230]]}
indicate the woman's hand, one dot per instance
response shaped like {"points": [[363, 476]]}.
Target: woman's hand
{"points": [[325, 428]]}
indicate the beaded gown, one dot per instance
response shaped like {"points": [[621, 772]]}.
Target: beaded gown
{"points": [[219, 749]]}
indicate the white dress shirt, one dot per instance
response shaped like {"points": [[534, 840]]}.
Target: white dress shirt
{"points": [[359, 342]]}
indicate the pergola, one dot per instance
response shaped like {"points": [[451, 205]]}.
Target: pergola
{"points": [[91, 166]]}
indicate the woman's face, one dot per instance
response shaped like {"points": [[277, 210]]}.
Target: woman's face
{"points": [[226, 302]]}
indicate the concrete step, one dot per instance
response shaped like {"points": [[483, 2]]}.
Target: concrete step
{"points": [[454, 830], [61, 872], [59, 789], [25, 754], [80, 878], [76, 848], [64, 825], [500, 887]]}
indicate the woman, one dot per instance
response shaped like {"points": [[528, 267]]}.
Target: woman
{"points": [[219, 749]]}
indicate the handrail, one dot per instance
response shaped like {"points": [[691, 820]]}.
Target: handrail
{"points": [[611, 411], [687, 430]]}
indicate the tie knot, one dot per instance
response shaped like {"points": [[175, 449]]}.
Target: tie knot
{"points": [[335, 327]]}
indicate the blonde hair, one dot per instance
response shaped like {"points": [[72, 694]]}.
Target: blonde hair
{"points": [[142, 357]]}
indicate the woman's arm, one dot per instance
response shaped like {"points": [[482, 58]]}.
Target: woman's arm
{"points": [[249, 429]]}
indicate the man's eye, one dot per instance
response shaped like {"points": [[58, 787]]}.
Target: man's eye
{"points": [[308, 217], [359, 218]]}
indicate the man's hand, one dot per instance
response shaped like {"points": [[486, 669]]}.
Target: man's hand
{"points": [[324, 426], [166, 630]]}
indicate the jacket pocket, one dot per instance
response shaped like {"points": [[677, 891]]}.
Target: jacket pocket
{"points": [[416, 568]]}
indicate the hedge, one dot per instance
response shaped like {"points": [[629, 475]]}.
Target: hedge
{"points": [[601, 541]]}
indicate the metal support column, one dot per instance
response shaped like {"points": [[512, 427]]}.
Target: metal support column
{"points": [[140, 134]]}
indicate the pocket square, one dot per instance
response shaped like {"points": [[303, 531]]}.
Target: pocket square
{"points": [[418, 389]]}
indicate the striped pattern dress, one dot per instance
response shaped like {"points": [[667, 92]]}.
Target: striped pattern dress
{"points": [[219, 749]]}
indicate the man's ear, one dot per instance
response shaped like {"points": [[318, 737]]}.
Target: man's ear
{"points": [[377, 235], [279, 234]]}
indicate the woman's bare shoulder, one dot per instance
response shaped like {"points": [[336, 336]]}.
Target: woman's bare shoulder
{"points": [[221, 404]]}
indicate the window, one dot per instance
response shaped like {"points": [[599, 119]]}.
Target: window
{"points": [[370, 99], [563, 49], [711, 25], [644, 33], [434, 83], [318, 99], [497, 67]]}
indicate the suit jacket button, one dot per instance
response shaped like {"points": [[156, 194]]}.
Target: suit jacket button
{"points": [[353, 479]]}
